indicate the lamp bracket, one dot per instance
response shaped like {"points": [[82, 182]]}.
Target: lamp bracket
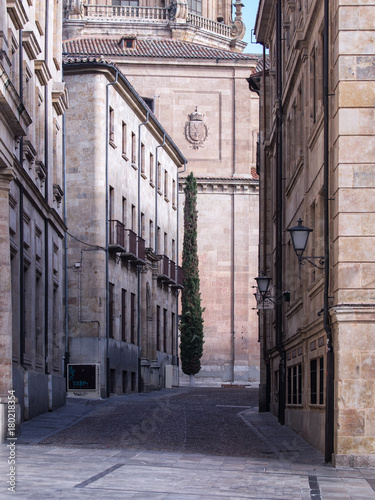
{"points": [[308, 259]]}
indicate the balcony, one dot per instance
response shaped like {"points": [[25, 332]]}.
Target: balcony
{"points": [[116, 236], [141, 251], [169, 273], [154, 15], [163, 272], [179, 279], [126, 13], [126, 243]]}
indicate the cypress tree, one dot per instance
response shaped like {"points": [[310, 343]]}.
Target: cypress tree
{"points": [[191, 345]]}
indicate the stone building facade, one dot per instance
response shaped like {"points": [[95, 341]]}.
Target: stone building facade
{"points": [[122, 304], [185, 59], [317, 154], [32, 102]]}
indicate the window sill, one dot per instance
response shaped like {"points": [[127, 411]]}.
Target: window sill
{"points": [[125, 156], [143, 175], [111, 143]]}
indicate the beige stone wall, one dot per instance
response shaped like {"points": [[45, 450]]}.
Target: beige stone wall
{"points": [[227, 202], [351, 152], [218, 89], [86, 195], [353, 130], [33, 102]]}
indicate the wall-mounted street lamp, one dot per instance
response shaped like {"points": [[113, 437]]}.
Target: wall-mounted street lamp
{"points": [[300, 235], [263, 283]]}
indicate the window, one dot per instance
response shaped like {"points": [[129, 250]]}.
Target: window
{"points": [[152, 179], [149, 102], [111, 310], [132, 318], [195, 6], [321, 381], [134, 148], [158, 250], [151, 234], [123, 316], [173, 332], [165, 329], [166, 185], [159, 180], [294, 385], [158, 328], [173, 250], [124, 211], [111, 203], [174, 193], [165, 244], [143, 166], [111, 125], [126, 3], [124, 141], [143, 227], [133, 218], [317, 381]]}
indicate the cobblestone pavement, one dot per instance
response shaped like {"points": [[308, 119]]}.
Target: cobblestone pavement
{"points": [[180, 444]]}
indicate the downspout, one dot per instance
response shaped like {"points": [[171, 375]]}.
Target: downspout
{"points": [[138, 265], [67, 354], [156, 192], [279, 220], [108, 389], [22, 281], [22, 269], [330, 374], [265, 190], [46, 223], [177, 251], [233, 243]]}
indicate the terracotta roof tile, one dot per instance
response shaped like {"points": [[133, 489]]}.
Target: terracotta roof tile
{"points": [[162, 48]]}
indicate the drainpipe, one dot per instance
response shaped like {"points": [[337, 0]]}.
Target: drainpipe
{"points": [[233, 244], [330, 377], [108, 389], [22, 272], [279, 221], [67, 354], [138, 266], [46, 223], [177, 251], [156, 192], [22, 280], [265, 190]]}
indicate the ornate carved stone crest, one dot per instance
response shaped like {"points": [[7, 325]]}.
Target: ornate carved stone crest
{"points": [[196, 130]]}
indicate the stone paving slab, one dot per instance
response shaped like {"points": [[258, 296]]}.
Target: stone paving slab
{"points": [[295, 471]]}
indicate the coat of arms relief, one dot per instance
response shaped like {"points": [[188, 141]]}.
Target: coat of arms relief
{"points": [[196, 130]]}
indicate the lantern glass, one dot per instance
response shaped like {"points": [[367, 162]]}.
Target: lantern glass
{"points": [[300, 235], [263, 283]]}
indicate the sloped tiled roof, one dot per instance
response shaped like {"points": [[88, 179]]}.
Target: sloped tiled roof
{"points": [[161, 48]]}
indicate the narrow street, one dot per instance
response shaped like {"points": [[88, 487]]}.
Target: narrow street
{"points": [[191, 421], [180, 444]]}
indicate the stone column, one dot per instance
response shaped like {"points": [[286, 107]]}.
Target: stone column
{"points": [[6, 379]]}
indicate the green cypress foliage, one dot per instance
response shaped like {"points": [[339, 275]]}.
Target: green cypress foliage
{"points": [[191, 345]]}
